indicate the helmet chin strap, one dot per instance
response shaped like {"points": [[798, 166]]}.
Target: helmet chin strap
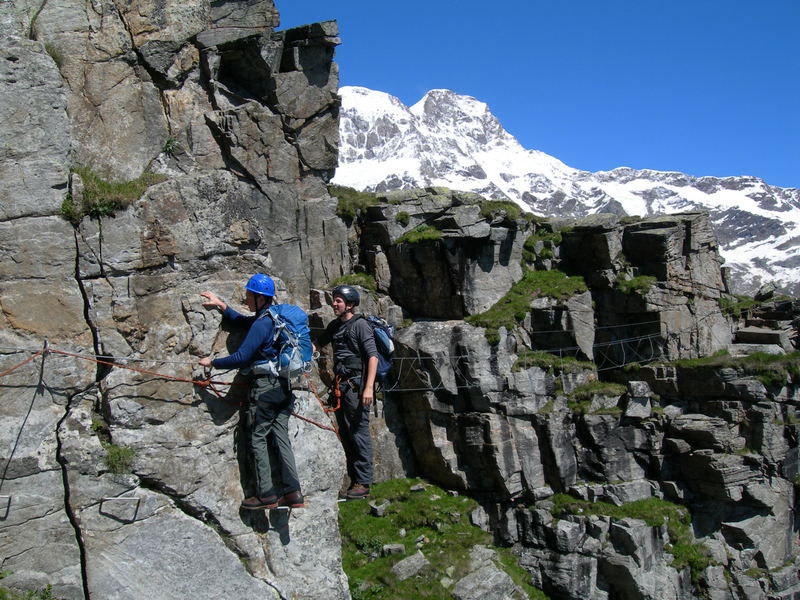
{"points": [[261, 301]]}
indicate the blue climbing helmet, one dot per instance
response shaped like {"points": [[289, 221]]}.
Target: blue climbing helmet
{"points": [[261, 284]]}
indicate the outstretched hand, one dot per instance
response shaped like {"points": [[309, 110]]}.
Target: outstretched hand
{"points": [[213, 302]]}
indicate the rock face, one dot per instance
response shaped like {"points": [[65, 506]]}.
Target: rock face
{"points": [[241, 120], [496, 420], [464, 273], [676, 263], [655, 283], [123, 468]]}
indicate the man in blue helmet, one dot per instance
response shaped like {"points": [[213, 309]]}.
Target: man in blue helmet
{"points": [[355, 363], [271, 398]]}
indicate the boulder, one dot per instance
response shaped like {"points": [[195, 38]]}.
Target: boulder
{"points": [[486, 581], [409, 567]]}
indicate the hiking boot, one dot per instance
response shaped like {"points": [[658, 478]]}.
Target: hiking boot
{"points": [[292, 499], [260, 502], [343, 492], [357, 492]]}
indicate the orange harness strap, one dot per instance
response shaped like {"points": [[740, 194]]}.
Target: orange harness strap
{"points": [[337, 393]]}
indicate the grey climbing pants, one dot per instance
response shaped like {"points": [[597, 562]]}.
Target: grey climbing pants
{"points": [[271, 404], [353, 420]]}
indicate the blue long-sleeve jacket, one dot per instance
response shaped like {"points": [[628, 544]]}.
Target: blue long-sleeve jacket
{"points": [[257, 344]]}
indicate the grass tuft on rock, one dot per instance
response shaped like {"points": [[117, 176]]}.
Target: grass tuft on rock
{"points": [[552, 363], [102, 198], [512, 308], [430, 520], [580, 399], [687, 552], [119, 459], [420, 233], [508, 212], [351, 202], [773, 370], [45, 593], [640, 285]]}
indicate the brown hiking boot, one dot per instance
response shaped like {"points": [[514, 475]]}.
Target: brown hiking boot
{"points": [[357, 491], [260, 502], [292, 499]]}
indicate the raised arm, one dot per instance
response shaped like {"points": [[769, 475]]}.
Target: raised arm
{"points": [[213, 302]]}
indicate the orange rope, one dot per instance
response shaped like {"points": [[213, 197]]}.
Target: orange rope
{"points": [[337, 393], [26, 361], [143, 371], [205, 383], [326, 410]]}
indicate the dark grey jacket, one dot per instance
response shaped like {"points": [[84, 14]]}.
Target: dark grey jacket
{"points": [[353, 343]]}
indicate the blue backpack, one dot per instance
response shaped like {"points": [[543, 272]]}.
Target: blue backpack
{"points": [[383, 340], [293, 339], [383, 332]]}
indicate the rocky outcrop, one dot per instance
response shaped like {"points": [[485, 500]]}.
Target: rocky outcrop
{"points": [[515, 428], [655, 284], [714, 440], [464, 271], [486, 580]]}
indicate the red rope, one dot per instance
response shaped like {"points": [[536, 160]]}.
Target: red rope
{"points": [[313, 389], [143, 371], [320, 425], [24, 362], [208, 383]]}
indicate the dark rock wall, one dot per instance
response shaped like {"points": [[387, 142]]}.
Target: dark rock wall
{"points": [[482, 419]]}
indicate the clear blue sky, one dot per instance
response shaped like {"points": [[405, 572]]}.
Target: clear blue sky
{"points": [[698, 86]]}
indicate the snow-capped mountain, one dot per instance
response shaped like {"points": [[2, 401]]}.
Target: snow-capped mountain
{"points": [[451, 140]]}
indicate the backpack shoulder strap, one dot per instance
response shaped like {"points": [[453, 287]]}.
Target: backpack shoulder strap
{"points": [[353, 319], [349, 326], [277, 321], [350, 334]]}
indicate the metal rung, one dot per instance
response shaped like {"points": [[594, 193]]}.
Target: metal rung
{"points": [[123, 499], [5, 506]]}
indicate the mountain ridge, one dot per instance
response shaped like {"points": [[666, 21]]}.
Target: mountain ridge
{"points": [[451, 140]]}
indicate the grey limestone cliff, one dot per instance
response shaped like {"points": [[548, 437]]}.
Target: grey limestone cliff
{"points": [[238, 122]]}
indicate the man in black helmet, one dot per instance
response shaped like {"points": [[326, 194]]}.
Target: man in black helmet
{"points": [[355, 362]]}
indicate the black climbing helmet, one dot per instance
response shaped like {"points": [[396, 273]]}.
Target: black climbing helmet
{"points": [[348, 293]]}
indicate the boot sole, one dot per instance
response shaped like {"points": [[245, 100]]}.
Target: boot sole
{"points": [[261, 507]]}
